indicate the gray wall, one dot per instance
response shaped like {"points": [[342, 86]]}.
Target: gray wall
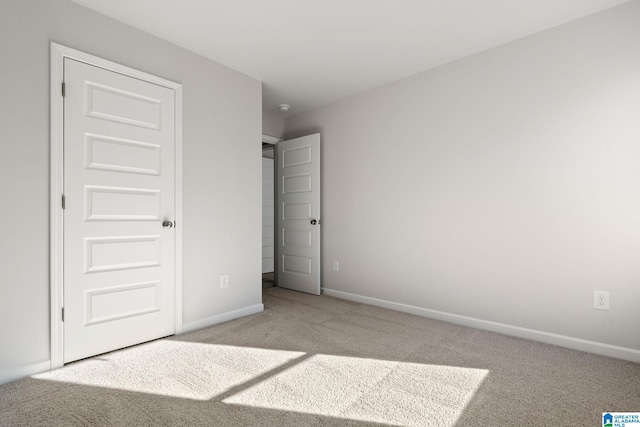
{"points": [[503, 187], [222, 167], [272, 125]]}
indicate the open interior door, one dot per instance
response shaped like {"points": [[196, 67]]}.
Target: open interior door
{"points": [[298, 214]]}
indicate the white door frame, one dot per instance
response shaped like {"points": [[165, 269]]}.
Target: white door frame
{"points": [[58, 54]]}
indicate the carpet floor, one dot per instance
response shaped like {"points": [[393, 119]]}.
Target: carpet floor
{"points": [[317, 361]]}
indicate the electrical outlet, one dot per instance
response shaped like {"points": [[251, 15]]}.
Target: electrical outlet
{"points": [[601, 300], [336, 266], [224, 280]]}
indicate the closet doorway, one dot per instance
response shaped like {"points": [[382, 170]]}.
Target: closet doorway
{"points": [[268, 211]]}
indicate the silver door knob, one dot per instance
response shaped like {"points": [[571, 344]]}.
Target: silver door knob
{"points": [[314, 222], [167, 224]]}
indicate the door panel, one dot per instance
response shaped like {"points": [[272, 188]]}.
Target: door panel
{"points": [[121, 204], [118, 302], [105, 102], [119, 262], [298, 201], [121, 155]]}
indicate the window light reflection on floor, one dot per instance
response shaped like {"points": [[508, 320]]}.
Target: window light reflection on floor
{"points": [[372, 390]]}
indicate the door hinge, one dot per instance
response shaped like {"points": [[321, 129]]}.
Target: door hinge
{"points": [[63, 89], [64, 202], [63, 314]]}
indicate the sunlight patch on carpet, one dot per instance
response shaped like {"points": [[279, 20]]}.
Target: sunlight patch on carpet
{"points": [[394, 393], [174, 368], [360, 389]]}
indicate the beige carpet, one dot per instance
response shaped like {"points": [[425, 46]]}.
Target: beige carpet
{"points": [[313, 361]]}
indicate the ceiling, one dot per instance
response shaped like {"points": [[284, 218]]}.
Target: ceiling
{"points": [[312, 52]]}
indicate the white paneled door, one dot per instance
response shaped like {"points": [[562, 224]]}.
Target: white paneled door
{"points": [[119, 243], [298, 199]]}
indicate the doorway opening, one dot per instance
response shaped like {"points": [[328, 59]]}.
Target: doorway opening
{"points": [[291, 213], [268, 211]]}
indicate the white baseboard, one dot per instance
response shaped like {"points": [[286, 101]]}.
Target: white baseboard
{"points": [[624, 353], [224, 317], [17, 372]]}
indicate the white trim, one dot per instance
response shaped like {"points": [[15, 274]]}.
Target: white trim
{"points": [[270, 139], [15, 373], [224, 317], [57, 225], [58, 54], [624, 353], [178, 209]]}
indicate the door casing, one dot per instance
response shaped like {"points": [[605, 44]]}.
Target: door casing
{"points": [[58, 54]]}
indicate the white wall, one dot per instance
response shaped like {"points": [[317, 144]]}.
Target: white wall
{"points": [[222, 169], [503, 187], [272, 125]]}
